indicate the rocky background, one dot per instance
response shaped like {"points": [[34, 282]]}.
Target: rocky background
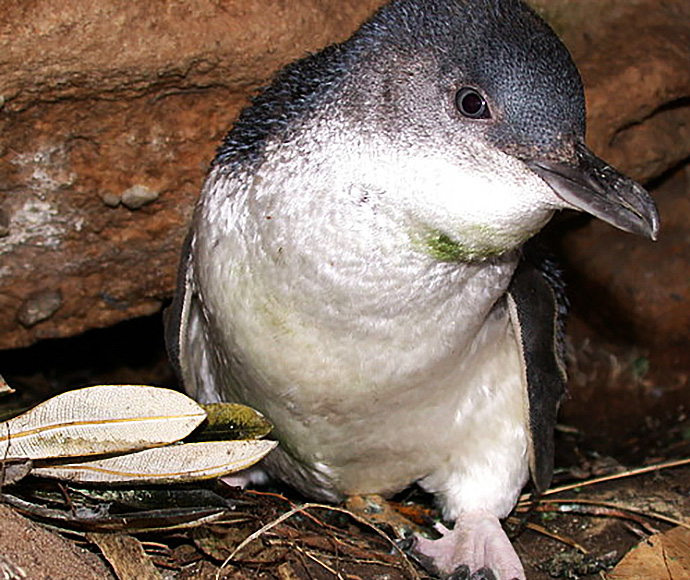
{"points": [[110, 113]]}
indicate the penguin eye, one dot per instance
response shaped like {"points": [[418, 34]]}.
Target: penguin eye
{"points": [[471, 104]]}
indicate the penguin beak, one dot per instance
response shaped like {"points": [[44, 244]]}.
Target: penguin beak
{"points": [[593, 186]]}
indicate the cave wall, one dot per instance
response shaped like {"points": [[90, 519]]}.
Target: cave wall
{"points": [[111, 111]]}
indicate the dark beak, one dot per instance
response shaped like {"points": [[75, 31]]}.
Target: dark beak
{"points": [[593, 186]]}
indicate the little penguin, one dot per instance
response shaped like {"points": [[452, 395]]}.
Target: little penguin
{"points": [[358, 266]]}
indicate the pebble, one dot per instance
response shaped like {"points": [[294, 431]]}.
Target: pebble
{"points": [[138, 196], [111, 200], [39, 306]]}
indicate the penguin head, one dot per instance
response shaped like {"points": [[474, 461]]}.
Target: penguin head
{"points": [[463, 119], [506, 75], [474, 112]]}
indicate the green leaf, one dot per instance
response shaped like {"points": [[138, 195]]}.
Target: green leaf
{"points": [[231, 422]]}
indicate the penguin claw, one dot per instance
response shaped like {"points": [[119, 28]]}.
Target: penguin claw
{"points": [[483, 574], [463, 573], [460, 573], [408, 546]]}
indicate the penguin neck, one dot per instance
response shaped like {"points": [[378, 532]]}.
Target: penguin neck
{"points": [[366, 264], [328, 272], [323, 236]]}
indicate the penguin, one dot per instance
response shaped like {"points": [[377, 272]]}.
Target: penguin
{"points": [[359, 266]]}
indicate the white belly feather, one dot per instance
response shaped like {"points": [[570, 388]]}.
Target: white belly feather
{"points": [[406, 370]]}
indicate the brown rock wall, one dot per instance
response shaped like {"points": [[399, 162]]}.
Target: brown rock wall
{"points": [[106, 50], [111, 111], [28, 550], [68, 231], [630, 289], [110, 114]]}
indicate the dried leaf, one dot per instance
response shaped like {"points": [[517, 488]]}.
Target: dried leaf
{"points": [[220, 542], [12, 470], [119, 499], [286, 571], [126, 555], [174, 463], [102, 520], [99, 420], [661, 557], [230, 421]]}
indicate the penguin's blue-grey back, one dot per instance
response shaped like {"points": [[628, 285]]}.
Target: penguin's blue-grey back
{"points": [[296, 91]]}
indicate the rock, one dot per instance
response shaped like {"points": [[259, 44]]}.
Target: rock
{"points": [[105, 101], [28, 550], [111, 200], [39, 306], [87, 49], [631, 298], [630, 288], [99, 98], [628, 381], [634, 59], [638, 94], [138, 196]]}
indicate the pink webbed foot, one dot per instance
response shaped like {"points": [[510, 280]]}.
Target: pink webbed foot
{"points": [[477, 543]]}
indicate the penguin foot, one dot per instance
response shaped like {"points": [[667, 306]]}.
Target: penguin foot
{"points": [[476, 549]]}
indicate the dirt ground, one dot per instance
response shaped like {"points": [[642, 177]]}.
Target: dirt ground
{"points": [[584, 541], [220, 532]]}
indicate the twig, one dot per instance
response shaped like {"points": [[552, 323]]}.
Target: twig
{"points": [[605, 505], [301, 509], [612, 477], [292, 506], [563, 539], [319, 562]]}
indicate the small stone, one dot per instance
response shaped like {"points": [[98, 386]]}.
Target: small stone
{"points": [[138, 196], [111, 200], [5, 389], [39, 306]]}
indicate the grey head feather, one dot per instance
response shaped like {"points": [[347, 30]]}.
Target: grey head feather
{"points": [[503, 48]]}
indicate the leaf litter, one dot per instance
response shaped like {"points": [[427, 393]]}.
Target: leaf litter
{"points": [[619, 526]]}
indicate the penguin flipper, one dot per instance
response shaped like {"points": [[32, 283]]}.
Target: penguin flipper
{"points": [[174, 316], [537, 308], [186, 337]]}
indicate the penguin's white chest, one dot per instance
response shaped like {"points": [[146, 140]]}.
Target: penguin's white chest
{"points": [[375, 373]]}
